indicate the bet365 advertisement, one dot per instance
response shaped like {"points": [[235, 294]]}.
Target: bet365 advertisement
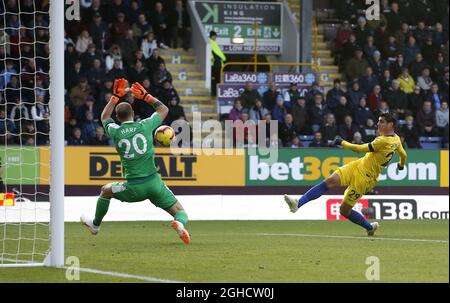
{"points": [[305, 167]]}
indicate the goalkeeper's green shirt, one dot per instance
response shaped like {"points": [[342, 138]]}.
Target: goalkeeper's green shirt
{"points": [[134, 144]]}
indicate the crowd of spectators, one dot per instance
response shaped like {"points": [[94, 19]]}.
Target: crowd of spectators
{"points": [[113, 39], [311, 114], [24, 78], [120, 39], [398, 64]]}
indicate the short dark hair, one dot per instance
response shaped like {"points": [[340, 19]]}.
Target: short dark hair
{"points": [[389, 118], [124, 111]]}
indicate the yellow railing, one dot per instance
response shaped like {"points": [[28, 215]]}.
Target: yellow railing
{"points": [[292, 65], [315, 41]]}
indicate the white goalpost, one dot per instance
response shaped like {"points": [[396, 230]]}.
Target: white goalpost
{"points": [[56, 257], [31, 229]]}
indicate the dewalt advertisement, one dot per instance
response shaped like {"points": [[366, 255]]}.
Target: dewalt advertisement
{"points": [[101, 165]]}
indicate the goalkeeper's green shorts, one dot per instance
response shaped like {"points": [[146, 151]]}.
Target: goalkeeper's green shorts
{"points": [[151, 187]]}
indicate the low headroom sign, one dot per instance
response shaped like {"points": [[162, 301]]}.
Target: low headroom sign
{"points": [[232, 20]]}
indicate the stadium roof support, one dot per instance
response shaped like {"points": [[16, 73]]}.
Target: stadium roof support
{"points": [[306, 33], [200, 41], [290, 36]]}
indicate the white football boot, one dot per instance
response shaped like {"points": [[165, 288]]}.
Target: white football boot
{"points": [[292, 203], [375, 226], [89, 224], [181, 231]]}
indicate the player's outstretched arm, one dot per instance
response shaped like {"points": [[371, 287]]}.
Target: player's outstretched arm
{"points": [[402, 153], [119, 90], [141, 93], [364, 148]]}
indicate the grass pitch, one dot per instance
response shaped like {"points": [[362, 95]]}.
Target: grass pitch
{"points": [[253, 251]]}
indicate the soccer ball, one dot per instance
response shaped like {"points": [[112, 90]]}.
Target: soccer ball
{"points": [[164, 135]]}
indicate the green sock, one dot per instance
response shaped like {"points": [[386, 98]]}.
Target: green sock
{"points": [[182, 217], [102, 209]]}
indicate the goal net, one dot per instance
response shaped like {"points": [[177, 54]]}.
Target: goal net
{"points": [[27, 129]]}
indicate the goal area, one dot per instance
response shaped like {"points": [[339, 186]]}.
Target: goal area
{"points": [[32, 133]]}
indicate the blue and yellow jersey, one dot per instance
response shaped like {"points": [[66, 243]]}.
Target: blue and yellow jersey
{"points": [[378, 154]]}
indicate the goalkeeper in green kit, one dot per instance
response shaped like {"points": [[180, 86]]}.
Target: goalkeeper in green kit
{"points": [[134, 144]]}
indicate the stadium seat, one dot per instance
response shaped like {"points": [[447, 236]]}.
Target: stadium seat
{"points": [[306, 140], [431, 142]]}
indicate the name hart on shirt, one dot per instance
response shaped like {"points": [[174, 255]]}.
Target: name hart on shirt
{"points": [[127, 130]]}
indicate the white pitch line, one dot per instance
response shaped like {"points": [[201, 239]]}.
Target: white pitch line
{"points": [[352, 237], [100, 272], [124, 275]]}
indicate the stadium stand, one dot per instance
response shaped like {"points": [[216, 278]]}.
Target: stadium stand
{"points": [[113, 39], [395, 64], [401, 59], [404, 45]]}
